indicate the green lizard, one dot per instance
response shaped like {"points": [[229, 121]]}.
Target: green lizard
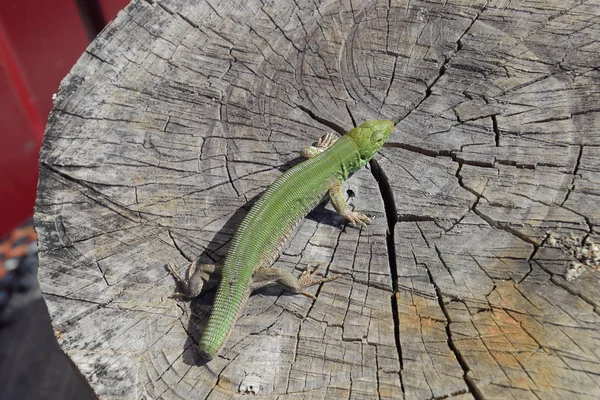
{"points": [[264, 230]]}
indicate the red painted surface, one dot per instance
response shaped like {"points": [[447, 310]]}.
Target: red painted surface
{"points": [[18, 156], [39, 43], [110, 8]]}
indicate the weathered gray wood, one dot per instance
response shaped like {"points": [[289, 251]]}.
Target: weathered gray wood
{"points": [[180, 113]]}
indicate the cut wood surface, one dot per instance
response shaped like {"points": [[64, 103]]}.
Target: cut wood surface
{"points": [[478, 278]]}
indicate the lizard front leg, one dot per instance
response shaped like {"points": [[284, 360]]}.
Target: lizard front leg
{"points": [[341, 206], [267, 276], [323, 144], [195, 277]]}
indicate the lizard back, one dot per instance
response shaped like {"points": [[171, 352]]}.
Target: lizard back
{"points": [[264, 230]]}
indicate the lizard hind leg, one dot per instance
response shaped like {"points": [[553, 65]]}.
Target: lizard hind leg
{"points": [[182, 286], [309, 278], [267, 276], [196, 276]]}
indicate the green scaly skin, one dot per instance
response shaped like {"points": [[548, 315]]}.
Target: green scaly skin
{"points": [[271, 220]]}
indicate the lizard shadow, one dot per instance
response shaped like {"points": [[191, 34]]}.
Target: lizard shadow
{"points": [[215, 252]]}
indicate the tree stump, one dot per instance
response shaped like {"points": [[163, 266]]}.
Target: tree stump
{"points": [[478, 278]]}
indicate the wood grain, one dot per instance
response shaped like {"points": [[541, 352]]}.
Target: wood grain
{"points": [[181, 113]]}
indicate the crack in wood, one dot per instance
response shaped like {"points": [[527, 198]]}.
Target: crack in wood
{"points": [[331, 125], [391, 214], [575, 172], [470, 382], [496, 130], [190, 259]]}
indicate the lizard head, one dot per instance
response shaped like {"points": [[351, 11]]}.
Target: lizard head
{"points": [[370, 136]]}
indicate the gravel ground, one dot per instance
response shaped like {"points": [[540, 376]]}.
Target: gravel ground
{"points": [[32, 366]]}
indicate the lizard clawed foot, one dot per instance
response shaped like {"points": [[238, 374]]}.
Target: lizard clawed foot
{"points": [[195, 278], [181, 284], [310, 278], [326, 140], [357, 218], [322, 144]]}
